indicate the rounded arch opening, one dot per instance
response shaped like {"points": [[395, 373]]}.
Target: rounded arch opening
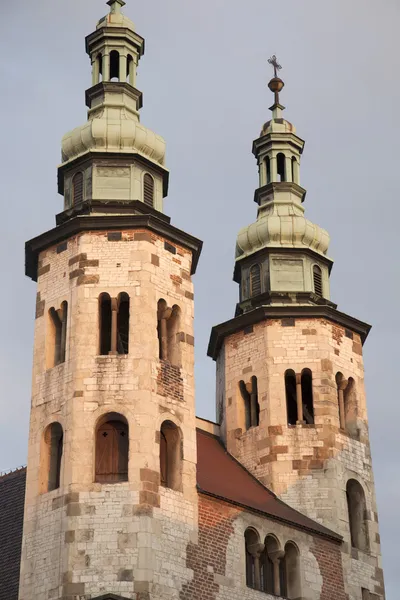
{"points": [[307, 396], [268, 169], [114, 66], [104, 323], [252, 549], [270, 554], [281, 167], [171, 456], [52, 451], [291, 397], [123, 323], [357, 512], [112, 448], [292, 572]]}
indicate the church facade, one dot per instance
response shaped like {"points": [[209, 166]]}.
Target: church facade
{"points": [[128, 494]]}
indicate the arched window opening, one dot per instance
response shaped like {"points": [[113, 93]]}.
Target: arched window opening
{"points": [[294, 170], [129, 69], [57, 336], [170, 456], [77, 188], [317, 276], [357, 510], [253, 551], [123, 324], [307, 396], [105, 323], [268, 169], [281, 166], [291, 580], [99, 61], [168, 332], [255, 280], [112, 449], [249, 393], [114, 65], [148, 190], [340, 384], [270, 566], [51, 457], [291, 397], [350, 408]]}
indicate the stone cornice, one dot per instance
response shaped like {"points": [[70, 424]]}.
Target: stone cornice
{"points": [[80, 224], [117, 33], [263, 313], [279, 186], [113, 86]]}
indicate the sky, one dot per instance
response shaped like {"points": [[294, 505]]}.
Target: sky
{"points": [[204, 79]]}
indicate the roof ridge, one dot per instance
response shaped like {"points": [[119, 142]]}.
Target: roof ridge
{"points": [[11, 472]]}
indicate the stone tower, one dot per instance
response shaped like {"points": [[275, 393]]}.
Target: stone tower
{"points": [[290, 375], [111, 500]]}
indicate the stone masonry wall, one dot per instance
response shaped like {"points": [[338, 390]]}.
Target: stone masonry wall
{"points": [[86, 538], [308, 466]]}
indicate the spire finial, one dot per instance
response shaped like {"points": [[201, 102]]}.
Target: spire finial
{"points": [[115, 6], [275, 85]]}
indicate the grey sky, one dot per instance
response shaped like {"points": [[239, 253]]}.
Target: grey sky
{"points": [[204, 79]]}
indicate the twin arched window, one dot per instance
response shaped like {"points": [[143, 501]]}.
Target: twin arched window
{"points": [[270, 569], [115, 64], [114, 324], [168, 319], [56, 339], [249, 393], [347, 403], [299, 397]]}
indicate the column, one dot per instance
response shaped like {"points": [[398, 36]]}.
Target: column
{"points": [[106, 67], [274, 169], [296, 172], [164, 339], [276, 557], [114, 324], [288, 168], [262, 172], [122, 68], [342, 386], [132, 71], [256, 550], [299, 399], [95, 71], [63, 345]]}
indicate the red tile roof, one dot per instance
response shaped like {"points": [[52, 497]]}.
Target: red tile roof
{"points": [[220, 474]]}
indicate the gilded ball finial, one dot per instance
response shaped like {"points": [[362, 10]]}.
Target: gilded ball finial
{"points": [[276, 84]]}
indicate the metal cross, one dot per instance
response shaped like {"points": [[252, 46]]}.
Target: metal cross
{"points": [[274, 62]]}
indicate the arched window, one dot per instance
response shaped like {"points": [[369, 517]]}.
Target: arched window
{"points": [[255, 280], [57, 336], [130, 65], [295, 170], [114, 66], [123, 324], [52, 451], [171, 456], [317, 276], [168, 332], [253, 547], [105, 323], [357, 510], [291, 572], [77, 188], [281, 167], [112, 449], [291, 398], [148, 190], [268, 169], [307, 396], [269, 563], [249, 394]]}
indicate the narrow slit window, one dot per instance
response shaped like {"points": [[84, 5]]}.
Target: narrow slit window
{"points": [[318, 288], [255, 280], [105, 323], [52, 457], [112, 449], [307, 396], [148, 190], [291, 397], [170, 456], [268, 169], [123, 324], [77, 188]]}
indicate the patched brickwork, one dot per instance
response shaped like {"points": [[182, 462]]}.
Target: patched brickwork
{"points": [[330, 564], [169, 381]]}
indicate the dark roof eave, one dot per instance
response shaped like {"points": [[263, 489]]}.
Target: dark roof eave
{"points": [[219, 332]]}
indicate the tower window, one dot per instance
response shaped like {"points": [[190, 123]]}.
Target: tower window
{"points": [[114, 324], [268, 169], [317, 275], [307, 396], [114, 66], [51, 457], [255, 280], [168, 332], [357, 515], [170, 456], [148, 190], [281, 166], [291, 397], [112, 449], [249, 393], [57, 336], [77, 188]]}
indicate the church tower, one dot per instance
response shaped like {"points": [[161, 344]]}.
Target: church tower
{"points": [[290, 374], [111, 500]]}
